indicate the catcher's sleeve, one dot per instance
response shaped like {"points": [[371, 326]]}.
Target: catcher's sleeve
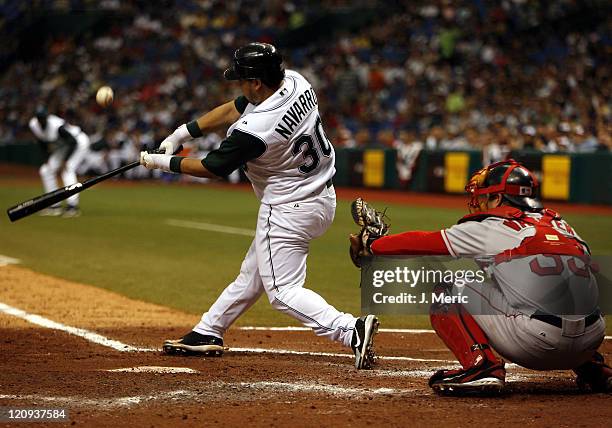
{"points": [[411, 243], [488, 237]]}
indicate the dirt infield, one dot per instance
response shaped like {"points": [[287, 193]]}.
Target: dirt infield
{"points": [[103, 383]]}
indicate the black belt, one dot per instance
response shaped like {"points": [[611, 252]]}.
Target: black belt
{"points": [[329, 183], [558, 321]]}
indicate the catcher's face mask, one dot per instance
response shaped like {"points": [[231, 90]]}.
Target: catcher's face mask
{"points": [[478, 201], [481, 185]]}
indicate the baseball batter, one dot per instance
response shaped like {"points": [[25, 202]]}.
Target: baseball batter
{"points": [[275, 133], [66, 146], [540, 308]]}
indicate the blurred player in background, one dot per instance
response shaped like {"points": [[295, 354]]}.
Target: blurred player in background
{"points": [[122, 149], [65, 146]]}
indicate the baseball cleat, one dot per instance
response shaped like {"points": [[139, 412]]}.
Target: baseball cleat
{"points": [[485, 379], [363, 341], [72, 212], [51, 212], [595, 374], [194, 343]]}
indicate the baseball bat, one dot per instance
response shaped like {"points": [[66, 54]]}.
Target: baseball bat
{"points": [[38, 203]]}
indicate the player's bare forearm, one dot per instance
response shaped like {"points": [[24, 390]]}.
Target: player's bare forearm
{"points": [[193, 166], [223, 115]]}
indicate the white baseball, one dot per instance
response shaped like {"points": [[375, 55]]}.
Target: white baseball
{"points": [[104, 96]]}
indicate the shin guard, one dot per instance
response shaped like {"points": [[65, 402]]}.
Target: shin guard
{"points": [[461, 334]]}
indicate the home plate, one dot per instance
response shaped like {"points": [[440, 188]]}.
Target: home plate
{"points": [[154, 369]]}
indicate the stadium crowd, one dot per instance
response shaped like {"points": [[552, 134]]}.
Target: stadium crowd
{"points": [[491, 75]]}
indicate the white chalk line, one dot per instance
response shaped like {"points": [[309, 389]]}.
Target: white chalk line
{"points": [[105, 403], [331, 354], [80, 332], [380, 330], [324, 388], [210, 227], [193, 396], [291, 328], [6, 260], [154, 369]]}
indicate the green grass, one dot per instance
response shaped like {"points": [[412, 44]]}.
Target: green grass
{"points": [[122, 244]]}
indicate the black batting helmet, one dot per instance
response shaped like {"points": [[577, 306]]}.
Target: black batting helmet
{"points": [[41, 113], [517, 185], [257, 61]]}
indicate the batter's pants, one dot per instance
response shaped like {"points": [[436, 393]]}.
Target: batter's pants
{"points": [[276, 264]]}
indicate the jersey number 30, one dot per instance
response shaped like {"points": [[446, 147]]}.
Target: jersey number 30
{"points": [[310, 153]]}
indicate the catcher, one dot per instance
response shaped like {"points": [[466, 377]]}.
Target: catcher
{"points": [[539, 308]]}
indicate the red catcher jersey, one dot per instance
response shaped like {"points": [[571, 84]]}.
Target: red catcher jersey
{"points": [[505, 228], [537, 259]]}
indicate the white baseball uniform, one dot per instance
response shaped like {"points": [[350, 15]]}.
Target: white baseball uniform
{"points": [[71, 157], [291, 173], [558, 287]]}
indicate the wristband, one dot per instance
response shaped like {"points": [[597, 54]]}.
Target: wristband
{"points": [[194, 129], [175, 164]]}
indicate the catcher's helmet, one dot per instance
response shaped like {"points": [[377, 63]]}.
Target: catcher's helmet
{"points": [[517, 185], [257, 61]]}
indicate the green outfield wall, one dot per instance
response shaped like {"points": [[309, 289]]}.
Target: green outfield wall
{"points": [[573, 177]]}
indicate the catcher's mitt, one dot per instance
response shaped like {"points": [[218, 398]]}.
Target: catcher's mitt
{"points": [[373, 226]]}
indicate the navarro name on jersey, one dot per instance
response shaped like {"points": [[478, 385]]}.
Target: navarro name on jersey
{"points": [[300, 108]]}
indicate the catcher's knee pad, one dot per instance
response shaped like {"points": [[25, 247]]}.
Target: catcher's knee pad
{"points": [[461, 334]]}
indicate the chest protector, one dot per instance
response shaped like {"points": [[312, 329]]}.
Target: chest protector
{"points": [[553, 236]]}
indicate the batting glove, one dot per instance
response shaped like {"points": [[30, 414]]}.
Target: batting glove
{"points": [[155, 161], [174, 140]]}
